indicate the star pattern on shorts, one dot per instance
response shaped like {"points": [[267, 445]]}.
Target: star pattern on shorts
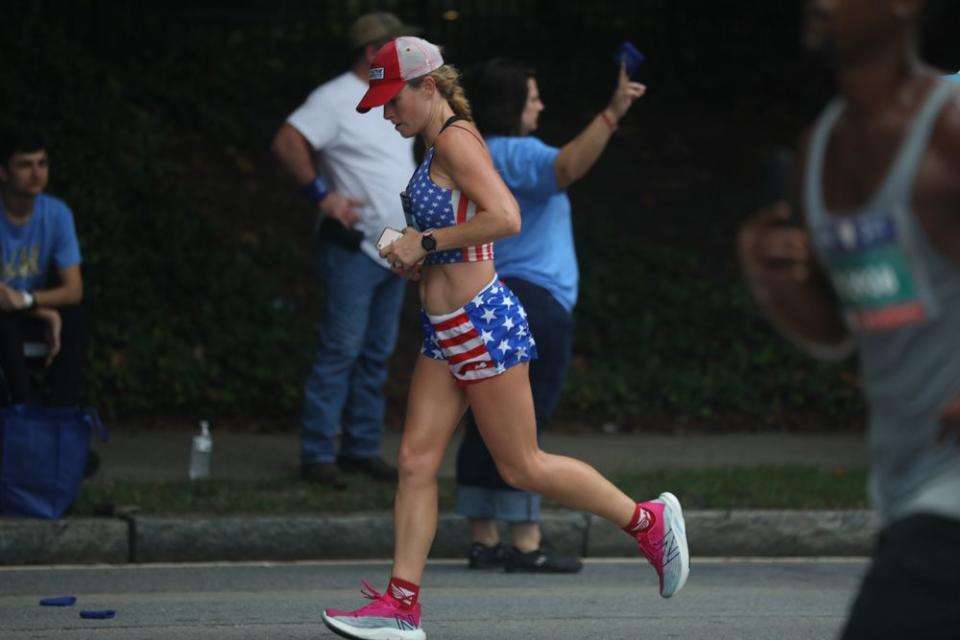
{"points": [[499, 323]]}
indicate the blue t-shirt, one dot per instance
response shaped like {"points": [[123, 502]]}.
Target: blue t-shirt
{"points": [[47, 240], [543, 251]]}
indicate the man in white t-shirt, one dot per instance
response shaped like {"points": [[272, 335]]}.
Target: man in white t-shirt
{"points": [[362, 168]]}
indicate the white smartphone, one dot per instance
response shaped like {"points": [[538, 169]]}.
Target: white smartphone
{"points": [[387, 236]]}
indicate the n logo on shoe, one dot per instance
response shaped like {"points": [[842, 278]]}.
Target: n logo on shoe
{"points": [[406, 623], [672, 549]]}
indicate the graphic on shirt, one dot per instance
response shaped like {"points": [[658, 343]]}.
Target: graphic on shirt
{"points": [[871, 274], [24, 263]]}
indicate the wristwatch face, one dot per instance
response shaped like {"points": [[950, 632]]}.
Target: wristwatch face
{"points": [[428, 242]]}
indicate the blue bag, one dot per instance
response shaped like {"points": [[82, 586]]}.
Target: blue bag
{"points": [[43, 454]]}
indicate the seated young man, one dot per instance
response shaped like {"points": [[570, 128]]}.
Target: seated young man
{"points": [[40, 282]]}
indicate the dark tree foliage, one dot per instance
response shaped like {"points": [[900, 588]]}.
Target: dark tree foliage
{"points": [[197, 255]]}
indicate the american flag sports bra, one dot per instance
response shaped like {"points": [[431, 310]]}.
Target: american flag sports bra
{"points": [[429, 206]]}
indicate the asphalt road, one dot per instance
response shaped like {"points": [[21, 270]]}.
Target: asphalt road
{"points": [[611, 599]]}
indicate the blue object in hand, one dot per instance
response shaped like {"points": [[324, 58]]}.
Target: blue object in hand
{"points": [[98, 614], [630, 57], [315, 191], [59, 601]]}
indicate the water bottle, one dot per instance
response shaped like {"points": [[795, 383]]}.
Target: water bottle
{"points": [[200, 452]]}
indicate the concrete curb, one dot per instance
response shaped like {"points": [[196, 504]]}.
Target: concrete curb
{"points": [[171, 538], [69, 541], [758, 533], [310, 537]]}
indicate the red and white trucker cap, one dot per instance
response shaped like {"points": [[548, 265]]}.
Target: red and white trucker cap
{"points": [[398, 61]]}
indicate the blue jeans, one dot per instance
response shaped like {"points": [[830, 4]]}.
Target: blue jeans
{"points": [[481, 492], [357, 335]]}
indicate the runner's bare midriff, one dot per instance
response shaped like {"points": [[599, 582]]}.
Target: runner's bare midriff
{"points": [[447, 287]]}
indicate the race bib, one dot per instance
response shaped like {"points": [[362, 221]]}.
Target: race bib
{"points": [[871, 274]]}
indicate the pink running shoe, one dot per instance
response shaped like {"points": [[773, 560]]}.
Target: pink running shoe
{"points": [[382, 619], [665, 543]]}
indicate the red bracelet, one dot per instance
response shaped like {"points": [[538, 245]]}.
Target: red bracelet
{"points": [[606, 120]]}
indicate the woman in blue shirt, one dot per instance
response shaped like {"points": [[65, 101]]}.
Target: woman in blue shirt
{"points": [[540, 266]]}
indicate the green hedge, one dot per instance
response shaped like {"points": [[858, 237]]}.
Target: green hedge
{"points": [[664, 332], [184, 315]]}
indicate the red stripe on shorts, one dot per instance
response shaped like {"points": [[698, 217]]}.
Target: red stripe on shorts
{"points": [[469, 355], [455, 321], [466, 336]]}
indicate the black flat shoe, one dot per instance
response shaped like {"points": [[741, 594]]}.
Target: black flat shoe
{"points": [[482, 556], [326, 473], [542, 560], [375, 467]]}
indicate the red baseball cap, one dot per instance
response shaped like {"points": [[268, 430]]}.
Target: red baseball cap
{"points": [[398, 61]]}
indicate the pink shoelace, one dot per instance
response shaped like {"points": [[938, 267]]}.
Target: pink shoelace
{"points": [[379, 600], [369, 592]]}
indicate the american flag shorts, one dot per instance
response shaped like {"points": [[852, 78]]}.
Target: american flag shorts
{"points": [[482, 339]]}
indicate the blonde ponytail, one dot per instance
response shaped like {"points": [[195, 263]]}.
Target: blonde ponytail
{"points": [[447, 78]]}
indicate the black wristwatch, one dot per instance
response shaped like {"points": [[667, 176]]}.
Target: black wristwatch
{"points": [[428, 242]]}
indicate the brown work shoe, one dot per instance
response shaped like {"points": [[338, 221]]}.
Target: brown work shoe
{"points": [[375, 467], [326, 473]]}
